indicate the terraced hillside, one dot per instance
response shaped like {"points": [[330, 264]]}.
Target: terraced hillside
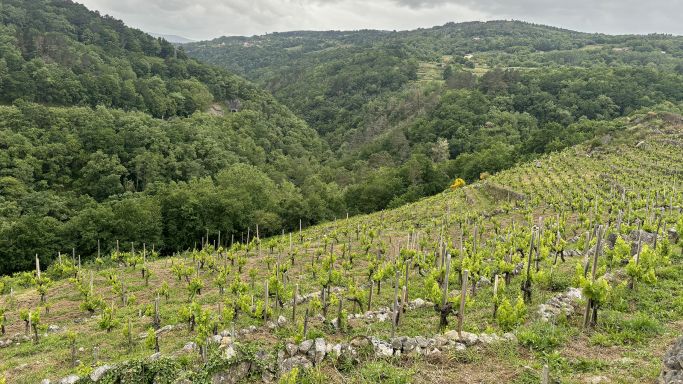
{"points": [[568, 266]]}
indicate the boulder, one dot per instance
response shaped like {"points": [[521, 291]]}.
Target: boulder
{"points": [[409, 344], [421, 341], [487, 339], [382, 348], [100, 371], [164, 329], [320, 349], [672, 372], [281, 321], [305, 346], [71, 379], [397, 343], [510, 337], [645, 237], [296, 361], [291, 349], [233, 374], [465, 337], [189, 347]]}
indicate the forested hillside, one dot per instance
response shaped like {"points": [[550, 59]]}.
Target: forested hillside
{"points": [[459, 99], [103, 137]]}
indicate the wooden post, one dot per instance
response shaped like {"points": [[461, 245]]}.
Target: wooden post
{"points": [[526, 288], [294, 300], [339, 311], [265, 312], [590, 305], [444, 295], [395, 306], [37, 267], [463, 295], [157, 317], [372, 288], [639, 245], [405, 291], [98, 248], [545, 375], [495, 295], [306, 324]]}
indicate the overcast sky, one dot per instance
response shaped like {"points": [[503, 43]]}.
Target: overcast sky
{"points": [[206, 19]]}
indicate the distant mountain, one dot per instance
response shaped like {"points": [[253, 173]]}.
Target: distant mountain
{"points": [[175, 39]]}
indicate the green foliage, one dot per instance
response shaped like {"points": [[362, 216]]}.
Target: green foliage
{"points": [[194, 287], [644, 269], [621, 251], [150, 339], [108, 320], [289, 377], [509, 316]]}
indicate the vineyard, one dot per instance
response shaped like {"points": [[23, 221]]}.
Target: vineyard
{"points": [[564, 269]]}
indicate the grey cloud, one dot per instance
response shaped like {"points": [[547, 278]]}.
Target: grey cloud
{"points": [[202, 19]]}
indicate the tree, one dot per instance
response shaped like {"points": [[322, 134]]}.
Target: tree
{"points": [[102, 175]]}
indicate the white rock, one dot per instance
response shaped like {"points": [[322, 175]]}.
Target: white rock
{"points": [[71, 379], [98, 372], [320, 350], [305, 346], [510, 337], [281, 321], [229, 352]]}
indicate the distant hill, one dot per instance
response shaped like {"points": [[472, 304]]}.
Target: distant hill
{"points": [[467, 98], [175, 39], [94, 114]]}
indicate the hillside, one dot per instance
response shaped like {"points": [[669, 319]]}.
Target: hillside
{"points": [[601, 216], [109, 133], [462, 98]]}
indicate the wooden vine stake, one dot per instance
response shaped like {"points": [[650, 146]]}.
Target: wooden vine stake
{"points": [[526, 286], [446, 305], [545, 375], [591, 312], [37, 267], [495, 295], [265, 312], [294, 300], [463, 295], [632, 283], [394, 322]]}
